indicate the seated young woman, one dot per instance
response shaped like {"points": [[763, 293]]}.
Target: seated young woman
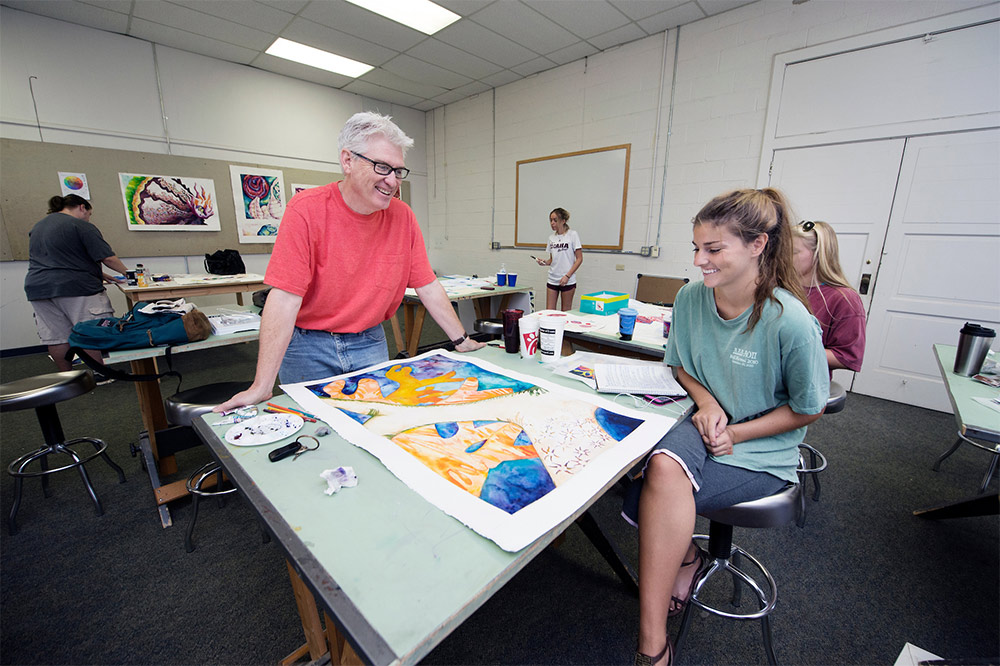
{"points": [[750, 355], [833, 301]]}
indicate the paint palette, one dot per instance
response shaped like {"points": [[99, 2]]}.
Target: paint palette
{"points": [[264, 429]]}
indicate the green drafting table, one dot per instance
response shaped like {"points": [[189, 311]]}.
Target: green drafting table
{"points": [[392, 572]]}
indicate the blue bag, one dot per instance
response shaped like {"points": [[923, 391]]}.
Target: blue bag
{"points": [[137, 330]]}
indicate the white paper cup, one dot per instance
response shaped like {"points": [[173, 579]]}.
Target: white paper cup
{"points": [[528, 327], [550, 337]]}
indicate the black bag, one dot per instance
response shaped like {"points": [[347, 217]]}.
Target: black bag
{"points": [[224, 262]]}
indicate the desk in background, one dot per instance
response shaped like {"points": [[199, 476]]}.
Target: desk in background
{"points": [[599, 333], [460, 289], [143, 362], [183, 285], [975, 421], [394, 573]]}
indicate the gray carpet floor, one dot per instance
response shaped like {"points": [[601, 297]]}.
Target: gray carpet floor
{"points": [[862, 578]]}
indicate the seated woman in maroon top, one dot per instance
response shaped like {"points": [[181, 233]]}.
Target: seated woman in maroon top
{"points": [[831, 298]]}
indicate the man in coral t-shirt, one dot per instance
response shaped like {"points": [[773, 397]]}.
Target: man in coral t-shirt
{"points": [[344, 256]]}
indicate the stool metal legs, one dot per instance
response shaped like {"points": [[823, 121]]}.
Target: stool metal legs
{"points": [[194, 487], [994, 449]]}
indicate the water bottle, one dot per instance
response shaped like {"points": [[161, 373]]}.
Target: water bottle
{"points": [[141, 279]]}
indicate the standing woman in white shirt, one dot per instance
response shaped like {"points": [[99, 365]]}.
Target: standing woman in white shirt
{"points": [[565, 256]]}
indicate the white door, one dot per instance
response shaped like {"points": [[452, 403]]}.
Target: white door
{"points": [[940, 265], [850, 187]]}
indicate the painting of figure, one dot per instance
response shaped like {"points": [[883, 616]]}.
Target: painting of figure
{"points": [[259, 197], [169, 203], [505, 445]]}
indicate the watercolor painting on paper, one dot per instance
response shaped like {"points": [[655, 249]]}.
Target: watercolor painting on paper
{"points": [[169, 203], [259, 198], [489, 447]]}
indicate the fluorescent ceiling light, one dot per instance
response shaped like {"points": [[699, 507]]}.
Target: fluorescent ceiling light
{"points": [[422, 15], [307, 55]]}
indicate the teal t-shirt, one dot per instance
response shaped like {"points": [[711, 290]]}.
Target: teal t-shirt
{"points": [[780, 362]]}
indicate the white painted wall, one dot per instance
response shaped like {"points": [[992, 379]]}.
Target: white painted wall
{"points": [[99, 89], [719, 100]]}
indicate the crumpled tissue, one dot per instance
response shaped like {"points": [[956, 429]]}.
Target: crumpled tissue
{"points": [[342, 477]]}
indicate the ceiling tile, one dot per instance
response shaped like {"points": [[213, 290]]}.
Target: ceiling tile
{"points": [[383, 77], [524, 26], [456, 60], [199, 23], [291, 6], [640, 9], [622, 35], [335, 41], [573, 52], [362, 23], [252, 14], [487, 44], [533, 66], [121, 6], [713, 7], [378, 92], [501, 78], [582, 19], [428, 104], [75, 12], [299, 71], [686, 13], [409, 67], [187, 41], [463, 7]]}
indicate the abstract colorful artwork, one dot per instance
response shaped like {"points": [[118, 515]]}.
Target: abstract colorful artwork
{"points": [[259, 197], [511, 456], [169, 203]]}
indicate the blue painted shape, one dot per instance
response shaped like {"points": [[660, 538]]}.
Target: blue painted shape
{"points": [[514, 484], [360, 418], [475, 447], [523, 440], [446, 430], [617, 425]]}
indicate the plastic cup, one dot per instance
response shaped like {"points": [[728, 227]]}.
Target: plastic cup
{"points": [[511, 334], [528, 327], [550, 337], [511, 279], [501, 279], [626, 322]]}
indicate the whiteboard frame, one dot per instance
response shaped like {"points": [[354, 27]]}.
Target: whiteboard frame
{"points": [[563, 196]]}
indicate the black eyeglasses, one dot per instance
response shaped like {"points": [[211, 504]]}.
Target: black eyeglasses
{"points": [[383, 169], [807, 225]]}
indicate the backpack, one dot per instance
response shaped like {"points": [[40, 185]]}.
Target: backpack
{"points": [[224, 262], [137, 330]]}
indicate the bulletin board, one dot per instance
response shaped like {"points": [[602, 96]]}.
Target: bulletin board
{"points": [[30, 178], [592, 185]]}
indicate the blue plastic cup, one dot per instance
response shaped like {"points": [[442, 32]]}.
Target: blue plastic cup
{"points": [[511, 279], [626, 322], [501, 279]]}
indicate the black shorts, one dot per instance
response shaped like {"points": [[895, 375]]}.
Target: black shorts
{"points": [[556, 287]]}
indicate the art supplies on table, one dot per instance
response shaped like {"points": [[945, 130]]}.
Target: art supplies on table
{"points": [[647, 379], [264, 429], [234, 321]]}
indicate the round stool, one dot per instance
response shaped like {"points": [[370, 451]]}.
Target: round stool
{"points": [[776, 510], [491, 327], [181, 409], [41, 393], [817, 461]]}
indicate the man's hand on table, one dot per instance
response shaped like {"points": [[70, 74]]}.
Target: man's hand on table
{"points": [[469, 345], [251, 396]]}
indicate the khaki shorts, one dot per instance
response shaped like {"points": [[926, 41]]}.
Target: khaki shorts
{"points": [[54, 317]]}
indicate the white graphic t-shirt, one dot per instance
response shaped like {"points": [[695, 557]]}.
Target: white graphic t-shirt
{"points": [[563, 250]]}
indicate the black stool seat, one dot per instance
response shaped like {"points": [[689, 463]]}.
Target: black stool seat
{"points": [[838, 398], [184, 407], [41, 393], [32, 392], [776, 510], [489, 326]]}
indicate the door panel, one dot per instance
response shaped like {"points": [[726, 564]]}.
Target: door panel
{"points": [[941, 264]]}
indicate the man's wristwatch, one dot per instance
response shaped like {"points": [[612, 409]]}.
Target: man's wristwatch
{"points": [[460, 340]]}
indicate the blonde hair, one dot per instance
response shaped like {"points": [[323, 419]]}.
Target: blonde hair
{"points": [[749, 214], [821, 240]]}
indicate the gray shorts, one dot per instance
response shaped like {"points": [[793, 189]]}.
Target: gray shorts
{"points": [[716, 485], [54, 317]]}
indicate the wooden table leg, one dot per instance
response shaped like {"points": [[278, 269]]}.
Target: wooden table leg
{"points": [[309, 614], [341, 652], [396, 335], [239, 298], [414, 326], [151, 406]]}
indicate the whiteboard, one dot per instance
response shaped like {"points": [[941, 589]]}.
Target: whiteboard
{"points": [[590, 184]]}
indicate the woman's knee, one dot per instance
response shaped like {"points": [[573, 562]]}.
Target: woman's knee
{"points": [[663, 470]]}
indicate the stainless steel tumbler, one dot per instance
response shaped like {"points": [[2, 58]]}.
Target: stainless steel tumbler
{"points": [[973, 344]]}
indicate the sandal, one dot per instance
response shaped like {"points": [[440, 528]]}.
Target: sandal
{"points": [[645, 660], [681, 604]]}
